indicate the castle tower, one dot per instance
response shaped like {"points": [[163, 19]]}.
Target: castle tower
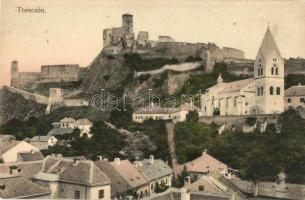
{"points": [[269, 77], [14, 72], [127, 23]]}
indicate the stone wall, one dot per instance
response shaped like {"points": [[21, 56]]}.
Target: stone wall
{"points": [[229, 52], [29, 96], [48, 74], [237, 122], [178, 50]]}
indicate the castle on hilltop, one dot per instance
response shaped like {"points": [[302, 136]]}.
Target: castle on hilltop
{"points": [[262, 94], [122, 39]]}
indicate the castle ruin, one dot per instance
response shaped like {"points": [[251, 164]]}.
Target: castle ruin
{"points": [[49, 73], [121, 40]]}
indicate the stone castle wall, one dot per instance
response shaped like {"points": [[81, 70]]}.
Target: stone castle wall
{"points": [[49, 73], [29, 96]]}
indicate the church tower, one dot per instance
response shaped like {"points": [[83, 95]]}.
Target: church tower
{"points": [[269, 77]]}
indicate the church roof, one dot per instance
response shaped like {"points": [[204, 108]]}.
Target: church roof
{"points": [[235, 85], [268, 45]]}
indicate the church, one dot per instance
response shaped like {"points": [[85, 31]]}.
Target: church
{"points": [[262, 94]]}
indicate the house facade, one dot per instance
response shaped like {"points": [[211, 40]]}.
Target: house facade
{"points": [[295, 97], [68, 124], [42, 142], [156, 171], [159, 113]]}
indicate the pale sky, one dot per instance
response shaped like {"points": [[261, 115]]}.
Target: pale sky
{"points": [[70, 32]]}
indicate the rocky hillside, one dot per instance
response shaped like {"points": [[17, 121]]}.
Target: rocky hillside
{"points": [[15, 106], [106, 72]]}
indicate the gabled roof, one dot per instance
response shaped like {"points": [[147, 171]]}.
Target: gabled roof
{"points": [[118, 183], [205, 164], [84, 121], [19, 187], [156, 170], [28, 169], [30, 156], [80, 172], [156, 110], [130, 173], [7, 146], [268, 45], [68, 120], [298, 90], [40, 138], [235, 85], [60, 131]]}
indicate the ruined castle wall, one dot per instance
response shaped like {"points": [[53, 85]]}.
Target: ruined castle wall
{"points": [[178, 50], [29, 96], [21, 79], [59, 73], [75, 102], [233, 53]]}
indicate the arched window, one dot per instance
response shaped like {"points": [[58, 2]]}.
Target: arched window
{"points": [[271, 90], [278, 91], [262, 71], [262, 90], [276, 71], [258, 71], [272, 70], [258, 91]]}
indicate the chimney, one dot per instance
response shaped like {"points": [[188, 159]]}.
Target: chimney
{"points": [[75, 161], [151, 159], [117, 161], [187, 180], [281, 178], [205, 151], [100, 157], [185, 194]]}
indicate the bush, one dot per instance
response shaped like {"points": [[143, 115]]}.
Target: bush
{"points": [[250, 121], [134, 61]]}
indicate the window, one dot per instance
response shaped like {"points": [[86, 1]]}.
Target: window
{"points": [[258, 71], [276, 71], [201, 188], [101, 194], [302, 100], [289, 100], [152, 186], [271, 90], [278, 91], [76, 194], [258, 91], [272, 70], [262, 90], [166, 180], [262, 71]]}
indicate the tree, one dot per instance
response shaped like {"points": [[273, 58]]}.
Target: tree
{"points": [[192, 116]]}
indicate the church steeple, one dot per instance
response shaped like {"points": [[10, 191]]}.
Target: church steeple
{"points": [[268, 45]]}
